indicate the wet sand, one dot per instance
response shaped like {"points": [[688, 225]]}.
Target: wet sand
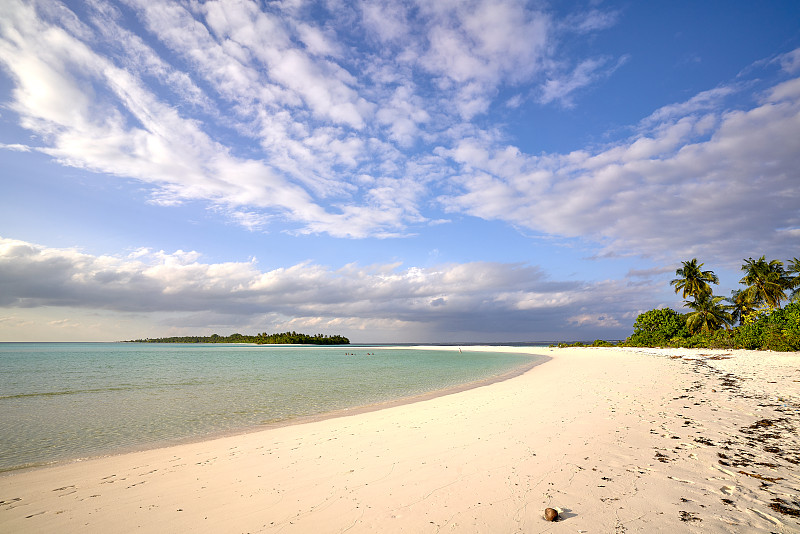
{"points": [[618, 440]]}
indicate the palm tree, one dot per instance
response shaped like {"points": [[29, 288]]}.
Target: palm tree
{"points": [[693, 280], [739, 305], [793, 272], [708, 314], [766, 282]]}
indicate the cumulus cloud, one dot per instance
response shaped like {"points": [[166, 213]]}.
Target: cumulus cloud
{"points": [[701, 178], [705, 101], [483, 298], [790, 62]]}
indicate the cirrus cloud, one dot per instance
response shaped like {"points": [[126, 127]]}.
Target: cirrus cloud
{"points": [[256, 108]]}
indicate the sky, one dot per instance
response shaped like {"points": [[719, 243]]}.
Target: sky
{"points": [[391, 171]]}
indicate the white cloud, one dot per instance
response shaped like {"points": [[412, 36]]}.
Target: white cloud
{"points": [[448, 296], [720, 183], [790, 62], [270, 117], [318, 42], [590, 21], [128, 131], [603, 321], [482, 41], [13, 321], [250, 42], [387, 21], [16, 147], [561, 87], [264, 114], [403, 115], [787, 92], [704, 101]]}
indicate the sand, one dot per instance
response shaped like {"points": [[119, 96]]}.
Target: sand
{"points": [[618, 440]]}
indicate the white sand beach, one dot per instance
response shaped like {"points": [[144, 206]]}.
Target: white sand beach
{"points": [[618, 440]]}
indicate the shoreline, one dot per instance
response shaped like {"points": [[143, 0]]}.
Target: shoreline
{"points": [[535, 360], [635, 440]]}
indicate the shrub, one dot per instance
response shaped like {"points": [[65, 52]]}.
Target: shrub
{"points": [[718, 339], [564, 345], [749, 335], [778, 330], [595, 343], [657, 328]]}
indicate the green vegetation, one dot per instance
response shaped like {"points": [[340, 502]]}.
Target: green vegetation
{"points": [[285, 338], [657, 327], [712, 323], [595, 343], [694, 281]]}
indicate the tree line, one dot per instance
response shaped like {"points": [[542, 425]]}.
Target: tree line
{"points": [[283, 338], [751, 318]]}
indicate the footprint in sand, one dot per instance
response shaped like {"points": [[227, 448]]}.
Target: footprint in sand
{"points": [[8, 503], [729, 473], [680, 480], [768, 517]]}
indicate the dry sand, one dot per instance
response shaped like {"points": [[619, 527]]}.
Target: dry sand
{"points": [[619, 440]]}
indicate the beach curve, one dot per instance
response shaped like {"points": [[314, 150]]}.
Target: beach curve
{"points": [[633, 440]]}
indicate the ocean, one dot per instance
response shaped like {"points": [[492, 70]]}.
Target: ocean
{"points": [[65, 401]]}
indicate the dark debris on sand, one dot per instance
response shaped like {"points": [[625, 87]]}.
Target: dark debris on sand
{"points": [[688, 517], [776, 435], [781, 506]]}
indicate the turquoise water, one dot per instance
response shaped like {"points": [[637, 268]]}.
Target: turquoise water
{"points": [[61, 401]]}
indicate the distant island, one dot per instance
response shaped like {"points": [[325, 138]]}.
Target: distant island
{"points": [[284, 338]]}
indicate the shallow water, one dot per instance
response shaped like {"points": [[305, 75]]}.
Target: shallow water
{"points": [[62, 401]]}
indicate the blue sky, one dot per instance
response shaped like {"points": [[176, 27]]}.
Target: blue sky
{"points": [[389, 171]]}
